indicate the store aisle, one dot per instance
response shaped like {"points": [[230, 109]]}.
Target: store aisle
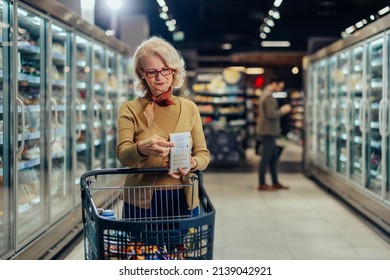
{"points": [[302, 223]]}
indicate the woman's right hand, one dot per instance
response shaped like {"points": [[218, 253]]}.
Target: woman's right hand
{"points": [[285, 109], [155, 146]]}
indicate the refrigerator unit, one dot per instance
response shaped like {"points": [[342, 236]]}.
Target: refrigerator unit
{"points": [[60, 88], [347, 120]]}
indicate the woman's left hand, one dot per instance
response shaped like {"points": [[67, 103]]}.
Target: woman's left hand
{"points": [[183, 172], [178, 174]]}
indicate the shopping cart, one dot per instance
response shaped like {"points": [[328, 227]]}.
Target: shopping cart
{"points": [[144, 234]]}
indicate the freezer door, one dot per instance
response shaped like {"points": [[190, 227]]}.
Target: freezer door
{"points": [[81, 98], [331, 112], [355, 110], [373, 144], [99, 101], [321, 107], [6, 231], [340, 109], [59, 190], [31, 216], [112, 96], [385, 125]]}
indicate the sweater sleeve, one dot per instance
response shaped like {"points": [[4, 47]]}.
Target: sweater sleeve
{"points": [[270, 109], [127, 150], [199, 150]]}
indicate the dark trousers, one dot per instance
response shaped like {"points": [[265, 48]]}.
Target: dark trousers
{"points": [[269, 159]]}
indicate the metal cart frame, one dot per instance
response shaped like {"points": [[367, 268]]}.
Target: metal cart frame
{"points": [[143, 238]]}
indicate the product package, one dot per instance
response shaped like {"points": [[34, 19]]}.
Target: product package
{"points": [[180, 155]]}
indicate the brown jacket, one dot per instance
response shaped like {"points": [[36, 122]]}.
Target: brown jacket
{"points": [[133, 127], [268, 121]]}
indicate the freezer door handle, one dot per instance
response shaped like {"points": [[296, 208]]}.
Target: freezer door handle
{"points": [[383, 117], [54, 102], [20, 149], [77, 134]]}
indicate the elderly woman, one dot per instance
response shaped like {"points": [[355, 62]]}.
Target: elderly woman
{"points": [[144, 125]]}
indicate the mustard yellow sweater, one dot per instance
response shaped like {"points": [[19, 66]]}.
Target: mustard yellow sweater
{"points": [[133, 127]]}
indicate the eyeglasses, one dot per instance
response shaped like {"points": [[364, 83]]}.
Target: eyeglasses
{"points": [[154, 73]]}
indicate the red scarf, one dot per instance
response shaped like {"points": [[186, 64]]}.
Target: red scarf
{"points": [[163, 100]]}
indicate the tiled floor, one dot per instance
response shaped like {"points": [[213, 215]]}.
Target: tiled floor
{"points": [[302, 223]]}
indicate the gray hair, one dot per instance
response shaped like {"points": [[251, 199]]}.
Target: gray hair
{"points": [[172, 57]]}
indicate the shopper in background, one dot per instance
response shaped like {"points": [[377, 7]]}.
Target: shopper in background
{"points": [[144, 125], [268, 128]]}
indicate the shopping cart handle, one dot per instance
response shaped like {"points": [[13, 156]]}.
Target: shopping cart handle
{"points": [[126, 170]]}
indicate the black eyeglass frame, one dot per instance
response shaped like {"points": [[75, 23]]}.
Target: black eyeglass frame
{"points": [[155, 73]]}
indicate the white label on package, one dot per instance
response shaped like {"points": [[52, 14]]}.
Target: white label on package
{"points": [[180, 154]]}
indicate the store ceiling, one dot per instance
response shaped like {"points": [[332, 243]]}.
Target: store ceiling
{"points": [[208, 24]]}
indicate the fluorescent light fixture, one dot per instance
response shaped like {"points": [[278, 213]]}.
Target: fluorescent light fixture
{"points": [[266, 29], [383, 11], [254, 71], [164, 15], [284, 44], [178, 36], [161, 3], [270, 22], [263, 35], [350, 29], [226, 46], [238, 68], [275, 14], [277, 3], [359, 24], [279, 94]]}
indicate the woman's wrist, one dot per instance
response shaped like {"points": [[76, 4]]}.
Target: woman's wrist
{"points": [[139, 150], [194, 164]]}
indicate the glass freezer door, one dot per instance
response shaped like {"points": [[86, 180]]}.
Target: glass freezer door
{"points": [[309, 116], [99, 109], [355, 139], [30, 192], [110, 126], [81, 147], [331, 111], [321, 107], [341, 104], [60, 198], [386, 126], [373, 145], [5, 90]]}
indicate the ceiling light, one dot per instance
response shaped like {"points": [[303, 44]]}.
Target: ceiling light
{"points": [[269, 22], [161, 3], [254, 71], [164, 15], [226, 46], [238, 68], [266, 29], [263, 35], [178, 36], [277, 3], [284, 44], [383, 11], [350, 29], [359, 24], [295, 70]]}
